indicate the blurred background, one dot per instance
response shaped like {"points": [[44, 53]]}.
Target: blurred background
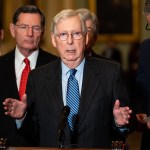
{"points": [[121, 28], [121, 22]]}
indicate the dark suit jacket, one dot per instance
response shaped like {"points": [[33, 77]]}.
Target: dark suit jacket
{"points": [[143, 87], [115, 54], [8, 88], [143, 77], [102, 85], [93, 54]]}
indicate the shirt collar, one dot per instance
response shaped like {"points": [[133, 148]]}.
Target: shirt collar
{"points": [[65, 69], [32, 58]]}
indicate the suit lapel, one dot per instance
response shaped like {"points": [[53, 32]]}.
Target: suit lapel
{"points": [[44, 58], [11, 68], [41, 60], [54, 85], [91, 81]]}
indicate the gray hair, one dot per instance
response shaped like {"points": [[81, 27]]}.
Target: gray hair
{"points": [[88, 15], [66, 14]]}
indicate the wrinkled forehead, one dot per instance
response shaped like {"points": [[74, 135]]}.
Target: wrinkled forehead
{"points": [[29, 19], [69, 24]]}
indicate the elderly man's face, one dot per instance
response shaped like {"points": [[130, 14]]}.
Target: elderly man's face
{"points": [[70, 50], [27, 31]]}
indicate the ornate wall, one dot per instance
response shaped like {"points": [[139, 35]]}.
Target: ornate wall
{"points": [[50, 8]]}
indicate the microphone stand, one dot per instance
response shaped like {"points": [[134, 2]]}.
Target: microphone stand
{"points": [[63, 119], [60, 138]]}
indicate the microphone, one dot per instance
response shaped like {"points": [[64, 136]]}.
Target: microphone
{"points": [[63, 119]]}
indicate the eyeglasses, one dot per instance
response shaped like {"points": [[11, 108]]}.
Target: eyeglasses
{"points": [[24, 28], [147, 27], [75, 35]]}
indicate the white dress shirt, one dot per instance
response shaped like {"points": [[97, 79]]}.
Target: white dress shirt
{"points": [[20, 64]]}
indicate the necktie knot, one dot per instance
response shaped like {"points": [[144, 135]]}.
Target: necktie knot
{"points": [[73, 72], [27, 62]]}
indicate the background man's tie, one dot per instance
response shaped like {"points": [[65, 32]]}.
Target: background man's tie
{"points": [[24, 78], [73, 98]]}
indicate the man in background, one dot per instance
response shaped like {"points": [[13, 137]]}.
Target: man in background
{"points": [[111, 51], [27, 28], [143, 84], [92, 30]]}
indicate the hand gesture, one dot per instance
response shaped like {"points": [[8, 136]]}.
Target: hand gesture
{"points": [[15, 108], [148, 125], [141, 117], [121, 114]]}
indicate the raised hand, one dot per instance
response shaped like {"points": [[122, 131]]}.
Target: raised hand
{"points": [[141, 117], [121, 114], [15, 108]]}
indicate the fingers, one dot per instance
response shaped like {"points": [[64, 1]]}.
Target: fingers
{"points": [[117, 104], [24, 98], [8, 105], [122, 114], [148, 125], [125, 115], [8, 102], [126, 111]]}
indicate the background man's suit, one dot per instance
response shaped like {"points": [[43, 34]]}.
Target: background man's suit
{"points": [[101, 82], [8, 88], [143, 87]]}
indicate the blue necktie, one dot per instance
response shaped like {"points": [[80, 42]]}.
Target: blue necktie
{"points": [[73, 98]]}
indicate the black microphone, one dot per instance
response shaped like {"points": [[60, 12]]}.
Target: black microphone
{"points": [[63, 119]]}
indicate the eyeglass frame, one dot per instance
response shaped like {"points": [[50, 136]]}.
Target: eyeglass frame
{"points": [[72, 35], [36, 29]]}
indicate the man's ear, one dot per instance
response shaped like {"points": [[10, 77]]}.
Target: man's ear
{"points": [[43, 31], [53, 39], [12, 30], [87, 39]]}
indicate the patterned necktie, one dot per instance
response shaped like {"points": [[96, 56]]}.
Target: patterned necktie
{"points": [[73, 98], [24, 78]]}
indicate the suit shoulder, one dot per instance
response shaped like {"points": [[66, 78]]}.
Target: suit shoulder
{"points": [[145, 46], [7, 58], [103, 61], [8, 55], [146, 41], [49, 67], [47, 54]]}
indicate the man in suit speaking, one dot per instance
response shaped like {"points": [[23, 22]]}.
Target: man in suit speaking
{"points": [[103, 101]]}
